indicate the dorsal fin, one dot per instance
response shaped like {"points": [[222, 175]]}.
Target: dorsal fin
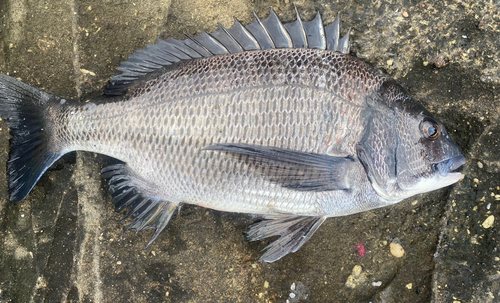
{"points": [[258, 35]]}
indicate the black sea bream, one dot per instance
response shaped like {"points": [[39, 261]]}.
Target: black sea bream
{"points": [[270, 119]]}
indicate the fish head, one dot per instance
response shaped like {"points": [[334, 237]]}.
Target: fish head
{"points": [[405, 150]]}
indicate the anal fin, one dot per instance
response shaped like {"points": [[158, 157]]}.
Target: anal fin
{"points": [[294, 231], [127, 190]]}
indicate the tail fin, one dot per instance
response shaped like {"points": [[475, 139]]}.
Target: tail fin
{"points": [[23, 108]]}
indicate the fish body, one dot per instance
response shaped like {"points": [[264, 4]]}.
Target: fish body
{"points": [[162, 129], [296, 133]]}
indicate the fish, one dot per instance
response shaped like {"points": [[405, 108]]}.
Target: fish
{"points": [[273, 119]]}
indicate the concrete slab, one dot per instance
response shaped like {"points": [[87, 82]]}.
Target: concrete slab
{"points": [[65, 243]]}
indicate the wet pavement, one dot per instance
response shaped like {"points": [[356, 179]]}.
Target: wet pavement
{"points": [[65, 243]]}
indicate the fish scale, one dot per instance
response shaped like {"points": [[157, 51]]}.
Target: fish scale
{"points": [[270, 119]]}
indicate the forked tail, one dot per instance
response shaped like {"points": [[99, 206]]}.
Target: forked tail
{"points": [[24, 109]]}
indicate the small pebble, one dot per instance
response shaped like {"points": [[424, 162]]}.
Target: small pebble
{"points": [[292, 295], [292, 287], [396, 250], [119, 262], [439, 61], [481, 25], [266, 284], [479, 164], [356, 278], [377, 284], [409, 286], [405, 14], [488, 223]]}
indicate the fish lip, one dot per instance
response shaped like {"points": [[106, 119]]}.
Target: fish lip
{"points": [[446, 166]]}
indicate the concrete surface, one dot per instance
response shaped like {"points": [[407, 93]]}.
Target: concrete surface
{"points": [[64, 243]]}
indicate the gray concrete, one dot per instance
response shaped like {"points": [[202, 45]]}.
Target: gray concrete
{"points": [[65, 242]]}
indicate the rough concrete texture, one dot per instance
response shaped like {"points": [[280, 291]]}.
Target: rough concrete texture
{"points": [[65, 243]]}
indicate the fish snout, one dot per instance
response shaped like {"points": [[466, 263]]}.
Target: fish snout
{"points": [[446, 166]]}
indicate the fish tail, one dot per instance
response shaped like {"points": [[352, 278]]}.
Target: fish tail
{"points": [[32, 149]]}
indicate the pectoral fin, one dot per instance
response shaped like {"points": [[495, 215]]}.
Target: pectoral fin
{"points": [[292, 169], [294, 231]]}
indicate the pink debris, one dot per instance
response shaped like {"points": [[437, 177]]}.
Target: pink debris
{"points": [[361, 249]]}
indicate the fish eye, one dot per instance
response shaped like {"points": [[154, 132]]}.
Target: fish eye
{"points": [[430, 129]]}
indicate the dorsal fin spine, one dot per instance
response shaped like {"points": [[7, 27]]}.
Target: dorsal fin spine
{"points": [[260, 33], [269, 33], [199, 44], [332, 33], [280, 36], [175, 43], [228, 41], [229, 34], [297, 32], [315, 33], [344, 46], [251, 39], [210, 42], [264, 29]]}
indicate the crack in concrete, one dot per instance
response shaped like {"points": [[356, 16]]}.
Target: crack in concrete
{"points": [[88, 278], [17, 13], [41, 282], [76, 52]]}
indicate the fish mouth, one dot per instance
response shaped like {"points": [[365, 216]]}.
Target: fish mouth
{"points": [[446, 166]]}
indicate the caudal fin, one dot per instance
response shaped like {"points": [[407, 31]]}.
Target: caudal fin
{"points": [[23, 108]]}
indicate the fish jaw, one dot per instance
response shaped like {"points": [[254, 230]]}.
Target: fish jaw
{"points": [[436, 181], [449, 165], [443, 176]]}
